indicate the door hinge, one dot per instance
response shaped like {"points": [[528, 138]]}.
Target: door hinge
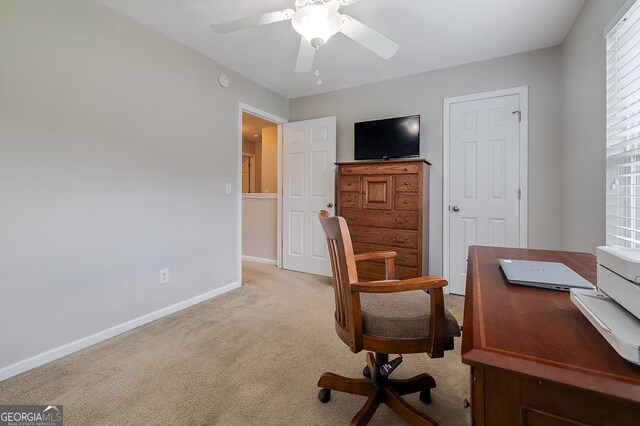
{"points": [[519, 194], [519, 115]]}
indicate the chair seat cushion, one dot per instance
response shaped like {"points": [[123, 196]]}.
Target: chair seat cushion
{"points": [[402, 315]]}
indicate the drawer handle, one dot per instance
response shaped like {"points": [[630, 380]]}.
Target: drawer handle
{"points": [[403, 257], [348, 200], [406, 202], [406, 183], [401, 240], [406, 169], [357, 234], [354, 217], [401, 277], [349, 170], [401, 221], [349, 183]]}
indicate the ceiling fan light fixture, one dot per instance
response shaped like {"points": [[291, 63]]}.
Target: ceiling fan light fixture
{"points": [[317, 23]]}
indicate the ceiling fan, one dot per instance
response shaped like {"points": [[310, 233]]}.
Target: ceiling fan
{"points": [[317, 21]]}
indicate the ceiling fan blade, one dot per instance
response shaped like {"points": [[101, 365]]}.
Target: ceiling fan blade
{"points": [[254, 21], [306, 54], [372, 40]]}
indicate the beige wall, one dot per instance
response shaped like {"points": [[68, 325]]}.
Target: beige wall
{"points": [[269, 159], [583, 134], [115, 147], [259, 227], [248, 147], [423, 94]]}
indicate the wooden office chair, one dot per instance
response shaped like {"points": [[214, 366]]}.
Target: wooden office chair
{"points": [[385, 317]]}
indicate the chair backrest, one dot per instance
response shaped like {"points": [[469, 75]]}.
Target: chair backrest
{"points": [[343, 264]]}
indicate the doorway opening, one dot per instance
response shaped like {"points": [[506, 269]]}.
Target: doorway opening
{"points": [[259, 155], [305, 156], [259, 177]]}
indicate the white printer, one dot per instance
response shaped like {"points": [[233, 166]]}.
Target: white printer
{"points": [[614, 309]]}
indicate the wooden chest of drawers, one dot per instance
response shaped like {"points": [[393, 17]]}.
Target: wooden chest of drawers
{"points": [[386, 204]]}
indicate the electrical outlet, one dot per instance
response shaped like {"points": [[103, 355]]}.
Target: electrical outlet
{"points": [[227, 188], [164, 276]]}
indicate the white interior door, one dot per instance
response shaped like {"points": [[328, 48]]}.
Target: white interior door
{"points": [[308, 186], [484, 179]]}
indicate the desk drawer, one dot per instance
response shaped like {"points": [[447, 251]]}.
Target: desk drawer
{"points": [[392, 219], [384, 237], [516, 399]]}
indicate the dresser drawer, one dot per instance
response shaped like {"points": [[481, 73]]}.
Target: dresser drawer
{"points": [[383, 219], [376, 271], [350, 183], [380, 169], [349, 200], [385, 237], [377, 193], [406, 201], [408, 183], [405, 257]]}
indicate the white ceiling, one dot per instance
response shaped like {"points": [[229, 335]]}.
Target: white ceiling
{"points": [[432, 34]]}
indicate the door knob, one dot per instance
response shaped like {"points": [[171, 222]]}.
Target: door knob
{"points": [[329, 205], [455, 209]]}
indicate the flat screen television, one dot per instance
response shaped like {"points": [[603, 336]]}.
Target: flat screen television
{"points": [[389, 138]]}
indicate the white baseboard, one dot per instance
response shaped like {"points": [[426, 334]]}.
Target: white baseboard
{"points": [[259, 260], [59, 352]]}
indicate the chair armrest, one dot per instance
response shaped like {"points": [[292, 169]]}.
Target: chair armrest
{"points": [[375, 255], [394, 286], [389, 261]]}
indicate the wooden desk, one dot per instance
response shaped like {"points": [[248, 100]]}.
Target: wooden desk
{"points": [[535, 359]]}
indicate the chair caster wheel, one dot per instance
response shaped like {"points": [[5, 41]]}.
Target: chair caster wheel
{"points": [[425, 396], [366, 373], [324, 395]]}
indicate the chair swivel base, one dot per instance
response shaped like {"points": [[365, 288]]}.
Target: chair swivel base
{"points": [[380, 389]]}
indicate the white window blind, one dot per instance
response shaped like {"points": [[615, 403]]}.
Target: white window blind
{"points": [[623, 131]]}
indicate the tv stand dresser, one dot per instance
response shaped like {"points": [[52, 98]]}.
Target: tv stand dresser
{"points": [[386, 205]]}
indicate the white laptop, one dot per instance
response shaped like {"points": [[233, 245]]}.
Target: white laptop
{"points": [[550, 275]]}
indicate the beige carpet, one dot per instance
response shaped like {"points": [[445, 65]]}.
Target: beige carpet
{"points": [[252, 356]]}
